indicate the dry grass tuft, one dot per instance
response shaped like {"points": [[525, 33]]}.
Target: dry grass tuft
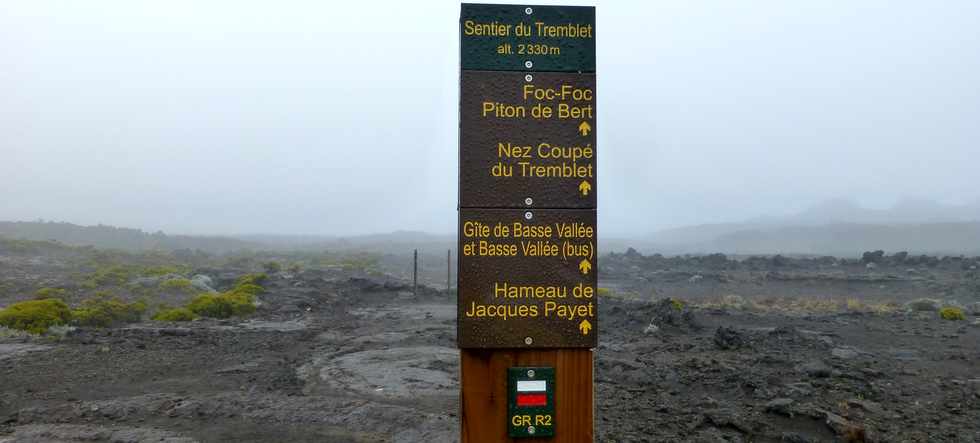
{"points": [[800, 305]]}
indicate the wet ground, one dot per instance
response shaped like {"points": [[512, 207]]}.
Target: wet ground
{"points": [[338, 358]]}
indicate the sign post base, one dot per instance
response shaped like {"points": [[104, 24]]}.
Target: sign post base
{"points": [[484, 396]]}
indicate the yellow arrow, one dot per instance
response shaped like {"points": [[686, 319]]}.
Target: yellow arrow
{"points": [[585, 326], [584, 266], [584, 128], [584, 188]]}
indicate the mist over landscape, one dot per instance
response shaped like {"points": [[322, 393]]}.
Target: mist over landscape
{"points": [[217, 120], [835, 227], [241, 222]]}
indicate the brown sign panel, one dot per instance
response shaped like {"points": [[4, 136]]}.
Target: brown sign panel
{"points": [[527, 38], [527, 278], [527, 140]]}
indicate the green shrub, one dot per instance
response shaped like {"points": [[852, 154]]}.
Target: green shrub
{"points": [[272, 267], [251, 279], [178, 285], [951, 313], [35, 316], [678, 305], [248, 289], [46, 293], [116, 275], [161, 270], [363, 262], [223, 305], [174, 314], [103, 311], [209, 305], [238, 301]]}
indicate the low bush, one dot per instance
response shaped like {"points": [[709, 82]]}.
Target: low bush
{"points": [[251, 279], [856, 305], [109, 275], [178, 285], [238, 301], [103, 311], [174, 314], [952, 313], [223, 305], [35, 316], [272, 267], [46, 293], [363, 262], [249, 289], [161, 270]]}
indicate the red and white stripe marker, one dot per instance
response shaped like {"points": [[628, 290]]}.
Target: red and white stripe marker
{"points": [[532, 393]]}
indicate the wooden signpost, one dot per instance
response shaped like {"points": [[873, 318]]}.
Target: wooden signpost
{"points": [[527, 317]]}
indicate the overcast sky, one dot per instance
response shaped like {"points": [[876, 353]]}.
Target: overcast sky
{"points": [[340, 117]]}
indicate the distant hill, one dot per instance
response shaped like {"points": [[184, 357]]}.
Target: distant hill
{"points": [[128, 239], [836, 227], [394, 242], [852, 239], [906, 211], [110, 237]]}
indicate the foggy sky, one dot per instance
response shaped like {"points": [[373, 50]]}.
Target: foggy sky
{"points": [[341, 117]]}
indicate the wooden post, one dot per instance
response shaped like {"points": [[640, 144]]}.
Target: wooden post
{"points": [[483, 395], [526, 370]]}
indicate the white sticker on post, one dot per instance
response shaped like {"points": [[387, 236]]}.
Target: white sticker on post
{"points": [[532, 386]]}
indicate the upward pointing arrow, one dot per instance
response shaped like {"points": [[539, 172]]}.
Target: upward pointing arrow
{"points": [[584, 188], [584, 266], [584, 128], [585, 326]]}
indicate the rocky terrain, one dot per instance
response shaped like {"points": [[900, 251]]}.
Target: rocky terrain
{"points": [[702, 349]]}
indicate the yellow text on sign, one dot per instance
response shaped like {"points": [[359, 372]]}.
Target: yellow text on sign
{"points": [[572, 103], [529, 420], [563, 92], [538, 111], [523, 29]]}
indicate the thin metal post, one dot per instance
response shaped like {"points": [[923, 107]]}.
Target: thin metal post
{"points": [[415, 273]]}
